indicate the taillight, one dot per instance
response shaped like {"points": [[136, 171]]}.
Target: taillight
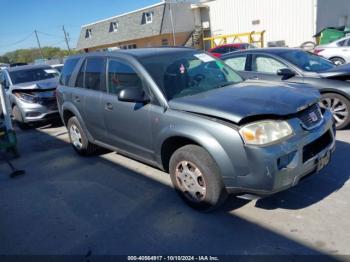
{"points": [[318, 51]]}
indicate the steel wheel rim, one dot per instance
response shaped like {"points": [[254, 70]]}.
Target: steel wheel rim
{"points": [[338, 108], [190, 181], [338, 62], [75, 136]]}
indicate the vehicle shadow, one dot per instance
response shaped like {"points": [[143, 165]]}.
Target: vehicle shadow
{"points": [[111, 205], [316, 187]]}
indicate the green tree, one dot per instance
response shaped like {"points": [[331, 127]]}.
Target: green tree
{"points": [[31, 54]]}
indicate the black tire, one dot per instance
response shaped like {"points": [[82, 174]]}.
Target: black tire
{"points": [[86, 148], [337, 61], [196, 156], [327, 98], [18, 118]]}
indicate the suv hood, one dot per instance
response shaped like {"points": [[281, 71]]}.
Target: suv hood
{"points": [[46, 84], [249, 98], [339, 72]]}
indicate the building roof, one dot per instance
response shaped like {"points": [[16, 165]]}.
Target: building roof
{"points": [[133, 25]]}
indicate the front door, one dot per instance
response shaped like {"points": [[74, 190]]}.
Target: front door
{"points": [[128, 124], [265, 67]]}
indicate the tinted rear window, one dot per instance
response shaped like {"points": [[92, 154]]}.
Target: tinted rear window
{"points": [[67, 70], [93, 73]]}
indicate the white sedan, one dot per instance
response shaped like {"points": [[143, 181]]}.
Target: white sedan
{"points": [[338, 51]]}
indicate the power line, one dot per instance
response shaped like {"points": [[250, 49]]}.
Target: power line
{"points": [[19, 41]]}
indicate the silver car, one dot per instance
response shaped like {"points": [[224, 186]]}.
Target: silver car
{"points": [[31, 91], [338, 51], [191, 115]]}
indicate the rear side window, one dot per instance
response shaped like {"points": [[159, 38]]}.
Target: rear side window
{"points": [[94, 69], [80, 78], [237, 63], [67, 70]]}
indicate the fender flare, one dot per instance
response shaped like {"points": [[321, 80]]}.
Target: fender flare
{"points": [[68, 106], [203, 139]]}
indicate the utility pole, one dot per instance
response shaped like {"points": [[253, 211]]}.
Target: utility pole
{"points": [[66, 38], [172, 22], [37, 39]]}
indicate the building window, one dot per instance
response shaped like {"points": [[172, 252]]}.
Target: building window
{"points": [[147, 18], [165, 42], [88, 33], [128, 46], [113, 27]]}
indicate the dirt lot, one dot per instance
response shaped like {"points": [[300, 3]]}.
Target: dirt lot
{"points": [[109, 204]]}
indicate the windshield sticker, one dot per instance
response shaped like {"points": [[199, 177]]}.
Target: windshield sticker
{"points": [[204, 58], [50, 71], [182, 69]]}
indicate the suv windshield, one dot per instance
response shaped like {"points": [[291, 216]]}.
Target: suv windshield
{"points": [[32, 75], [307, 61], [188, 73]]}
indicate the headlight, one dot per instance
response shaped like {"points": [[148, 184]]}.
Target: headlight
{"points": [[27, 97], [265, 132]]}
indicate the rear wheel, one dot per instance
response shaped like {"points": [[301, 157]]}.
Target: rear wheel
{"points": [[337, 61], [196, 178], [79, 139], [339, 106]]}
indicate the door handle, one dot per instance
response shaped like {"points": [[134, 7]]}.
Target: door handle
{"points": [[76, 99], [109, 107]]}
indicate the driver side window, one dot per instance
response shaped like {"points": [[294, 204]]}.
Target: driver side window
{"points": [[121, 75], [265, 64]]}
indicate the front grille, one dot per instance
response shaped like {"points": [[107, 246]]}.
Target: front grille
{"points": [[50, 103], [317, 146], [310, 117]]}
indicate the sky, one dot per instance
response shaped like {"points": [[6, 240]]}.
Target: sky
{"points": [[19, 19]]}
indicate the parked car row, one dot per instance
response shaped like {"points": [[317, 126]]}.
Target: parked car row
{"points": [[254, 122]]}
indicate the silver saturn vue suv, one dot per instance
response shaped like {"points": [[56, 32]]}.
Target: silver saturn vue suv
{"points": [[31, 89], [191, 115]]}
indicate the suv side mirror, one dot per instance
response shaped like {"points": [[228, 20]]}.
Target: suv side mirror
{"points": [[286, 73], [133, 94]]}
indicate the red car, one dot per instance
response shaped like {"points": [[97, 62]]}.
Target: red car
{"points": [[218, 51]]}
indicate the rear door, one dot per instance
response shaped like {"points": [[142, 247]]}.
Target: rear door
{"points": [[128, 124], [90, 86]]}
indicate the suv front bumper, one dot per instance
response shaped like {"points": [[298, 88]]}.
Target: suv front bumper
{"points": [[283, 165], [33, 112]]}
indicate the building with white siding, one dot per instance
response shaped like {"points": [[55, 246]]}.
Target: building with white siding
{"points": [[292, 21]]}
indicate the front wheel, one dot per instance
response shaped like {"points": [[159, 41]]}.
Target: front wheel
{"points": [[196, 178], [340, 108]]}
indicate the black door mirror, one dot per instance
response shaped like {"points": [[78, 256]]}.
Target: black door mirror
{"points": [[133, 94], [286, 73]]}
